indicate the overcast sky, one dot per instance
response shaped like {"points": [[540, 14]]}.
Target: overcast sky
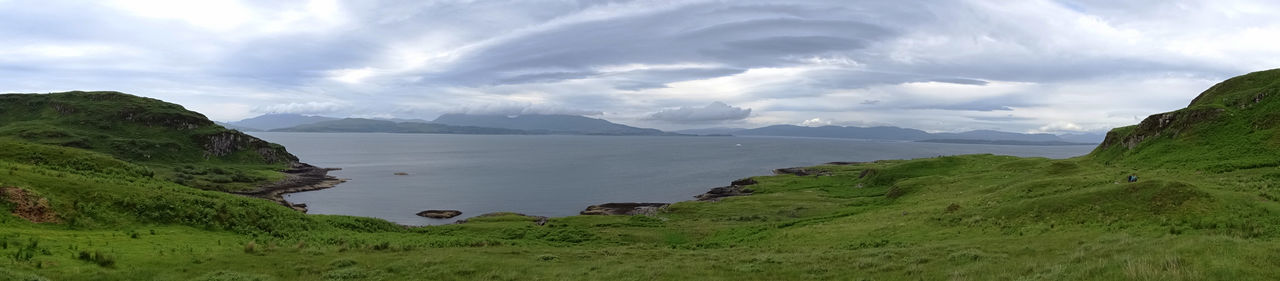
{"points": [[1023, 66]]}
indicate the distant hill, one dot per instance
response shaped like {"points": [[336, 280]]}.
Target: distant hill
{"points": [[871, 133], [548, 124], [400, 120], [278, 120], [710, 131], [906, 134], [1003, 142], [238, 128], [359, 125]]}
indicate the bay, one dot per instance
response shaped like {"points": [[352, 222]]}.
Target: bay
{"points": [[560, 175]]}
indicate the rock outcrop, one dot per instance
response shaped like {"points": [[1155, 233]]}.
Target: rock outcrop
{"points": [[798, 171], [439, 214], [227, 142], [624, 209], [28, 206], [735, 188], [298, 178]]}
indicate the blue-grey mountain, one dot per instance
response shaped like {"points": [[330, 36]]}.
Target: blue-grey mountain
{"points": [[279, 120], [548, 124]]}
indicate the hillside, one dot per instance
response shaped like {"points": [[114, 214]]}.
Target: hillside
{"points": [[547, 124], [77, 214], [358, 125], [178, 144], [1231, 126]]}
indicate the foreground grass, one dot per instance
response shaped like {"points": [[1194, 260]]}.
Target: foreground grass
{"points": [[974, 217]]}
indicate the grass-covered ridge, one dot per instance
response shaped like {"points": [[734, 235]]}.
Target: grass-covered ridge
{"points": [[1231, 126], [178, 144], [1192, 216]]}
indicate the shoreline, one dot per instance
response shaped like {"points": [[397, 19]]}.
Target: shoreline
{"points": [[303, 177], [300, 177]]}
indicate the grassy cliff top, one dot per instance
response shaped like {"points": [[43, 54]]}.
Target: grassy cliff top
{"points": [[1232, 125]]}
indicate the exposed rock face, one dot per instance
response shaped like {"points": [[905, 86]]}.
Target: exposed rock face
{"points": [[721, 192], [800, 172], [735, 188], [439, 214], [228, 142], [743, 182], [28, 206], [624, 209], [1170, 123]]}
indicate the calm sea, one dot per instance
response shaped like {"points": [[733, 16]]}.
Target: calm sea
{"points": [[561, 175]]}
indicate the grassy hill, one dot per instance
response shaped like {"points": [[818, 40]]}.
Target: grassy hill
{"points": [[1194, 215]]}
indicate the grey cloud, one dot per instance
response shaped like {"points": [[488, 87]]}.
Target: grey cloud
{"points": [[714, 112], [559, 52]]}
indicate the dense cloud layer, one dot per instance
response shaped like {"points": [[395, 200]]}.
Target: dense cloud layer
{"points": [[1040, 65]]}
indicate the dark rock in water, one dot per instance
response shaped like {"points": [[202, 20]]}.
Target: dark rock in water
{"points": [[744, 182], [800, 172], [624, 209], [721, 192], [401, 174], [439, 214]]}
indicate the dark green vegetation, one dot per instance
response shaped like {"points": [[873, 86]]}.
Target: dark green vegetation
{"points": [[350, 125], [1204, 209]]}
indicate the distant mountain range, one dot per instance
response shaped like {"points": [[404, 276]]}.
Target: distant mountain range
{"points": [[276, 121], [548, 124], [581, 125], [455, 124], [905, 134], [359, 125]]}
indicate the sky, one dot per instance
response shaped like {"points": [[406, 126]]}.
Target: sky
{"points": [[941, 66]]}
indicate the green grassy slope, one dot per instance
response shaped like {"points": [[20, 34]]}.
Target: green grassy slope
{"points": [[1232, 125], [972, 217], [178, 144]]}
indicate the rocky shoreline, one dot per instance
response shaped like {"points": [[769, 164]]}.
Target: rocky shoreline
{"points": [[735, 188], [300, 177]]}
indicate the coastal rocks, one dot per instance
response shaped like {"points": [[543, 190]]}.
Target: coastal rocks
{"points": [[721, 192], [624, 209], [743, 182], [800, 172], [298, 178], [439, 214]]}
